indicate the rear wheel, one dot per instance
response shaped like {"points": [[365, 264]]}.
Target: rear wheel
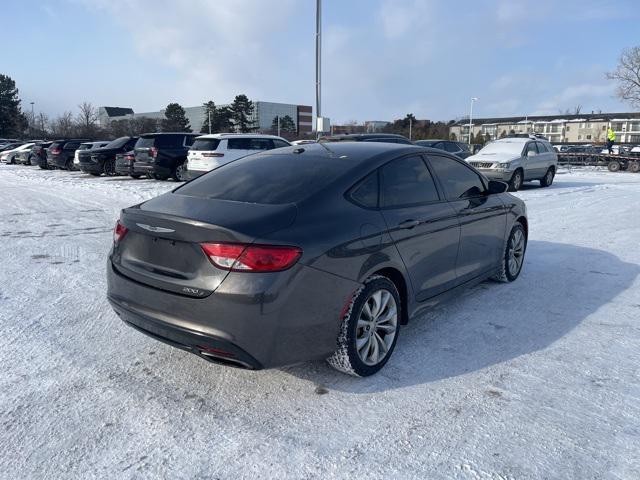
{"points": [[634, 167], [179, 173], [513, 256], [69, 165], [158, 176], [547, 180], [109, 168], [516, 181], [614, 166], [32, 160], [369, 329]]}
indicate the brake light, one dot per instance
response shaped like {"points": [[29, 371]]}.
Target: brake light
{"points": [[119, 232], [213, 154], [129, 157], [238, 257], [55, 151], [154, 152]]}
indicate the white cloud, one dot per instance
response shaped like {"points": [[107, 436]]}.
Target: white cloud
{"points": [[400, 18], [586, 94]]}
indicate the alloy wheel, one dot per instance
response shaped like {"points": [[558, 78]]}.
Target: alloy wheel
{"points": [[377, 327], [515, 254]]}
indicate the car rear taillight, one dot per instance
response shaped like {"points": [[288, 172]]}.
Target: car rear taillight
{"points": [[119, 232], [55, 151], [208, 154], [129, 157], [238, 257], [153, 151]]}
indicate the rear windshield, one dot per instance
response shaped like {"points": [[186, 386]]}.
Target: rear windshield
{"points": [[161, 141], [268, 178], [204, 144], [57, 145], [85, 146], [118, 142]]}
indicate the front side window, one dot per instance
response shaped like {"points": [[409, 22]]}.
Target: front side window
{"points": [[531, 147], [458, 180], [406, 181]]}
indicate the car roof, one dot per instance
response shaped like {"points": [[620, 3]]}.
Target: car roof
{"points": [[363, 136], [155, 134], [239, 135]]}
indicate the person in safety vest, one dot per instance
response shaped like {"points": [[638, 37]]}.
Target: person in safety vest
{"points": [[611, 138]]}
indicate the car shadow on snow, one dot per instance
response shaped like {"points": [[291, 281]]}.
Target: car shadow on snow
{"points": [[558, 184], [559, 287]]}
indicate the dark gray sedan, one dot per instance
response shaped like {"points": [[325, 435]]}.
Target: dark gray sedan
{"points": [[320, 251]]}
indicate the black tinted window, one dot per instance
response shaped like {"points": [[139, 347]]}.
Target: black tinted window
{"points": [[71, 145], [458, 180], [205, 144], [542, 148], [451, 147], [279, 143], [268, 178], [249, 144], [145, 142], [406, 181], [189, 139], [118, 142], [169, 141], [531, 147], [365, 193]]}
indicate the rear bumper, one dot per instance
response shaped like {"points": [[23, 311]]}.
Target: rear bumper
{"points": [[150, 168], [90, 166], [273, 320], [124, 167], [57, 161]]}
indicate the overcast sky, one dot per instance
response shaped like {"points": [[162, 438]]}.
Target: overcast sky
{"points": [[381, 58]]}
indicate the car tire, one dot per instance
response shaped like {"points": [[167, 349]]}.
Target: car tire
{"points": [[69, 165], [109, 168], [135, 175], [95, 174], [158, 176], [515, 248], [547, 180], [634, 167], [369, 328], [179, 173], [32, 161], [614, 166], [516, 181]]}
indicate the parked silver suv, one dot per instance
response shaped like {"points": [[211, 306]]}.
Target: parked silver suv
{"points": [[517, 160]]}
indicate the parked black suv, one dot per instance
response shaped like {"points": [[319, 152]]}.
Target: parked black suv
{"points": [[60, 153], [368, 137], [459, 149], [103, 160], [162, 155]]}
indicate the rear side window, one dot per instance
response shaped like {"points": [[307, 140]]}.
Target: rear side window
{"points": [[542, 148], [268, 178], [118, 142], [169, 141], [458, 180], [205, 144], [406, 181], [71, 145], [249, 144], [83, 146], [451, 147], [365, 193], [145, 142]]}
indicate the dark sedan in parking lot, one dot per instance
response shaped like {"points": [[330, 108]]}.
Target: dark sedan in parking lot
{"points": [[102, 160], [459, 149], [319, 251]]}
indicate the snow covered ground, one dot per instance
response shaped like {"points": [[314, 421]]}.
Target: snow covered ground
{"points": [[535, 379]]}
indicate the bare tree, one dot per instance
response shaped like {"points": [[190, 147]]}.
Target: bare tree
{"points": [[87, 119], [41, 125], [63, 126], [627, 74]]}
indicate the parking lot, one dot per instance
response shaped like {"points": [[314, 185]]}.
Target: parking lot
{"points": [[537, 378]]}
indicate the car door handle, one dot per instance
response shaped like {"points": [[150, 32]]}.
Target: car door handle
{"points": [[409, 224]]}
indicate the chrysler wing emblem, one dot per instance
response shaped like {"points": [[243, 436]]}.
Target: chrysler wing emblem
{"points": [[154, 229]]}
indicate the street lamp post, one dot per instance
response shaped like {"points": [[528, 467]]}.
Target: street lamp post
{"points": [[318, 65], [473, 99], [410, 126], [33, 120]]}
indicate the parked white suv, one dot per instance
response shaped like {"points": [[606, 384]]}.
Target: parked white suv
{"points": [[516, 160], [211, 151]]}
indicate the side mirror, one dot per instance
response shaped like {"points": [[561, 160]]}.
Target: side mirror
{"points": [[531, 153], [497, 187]]}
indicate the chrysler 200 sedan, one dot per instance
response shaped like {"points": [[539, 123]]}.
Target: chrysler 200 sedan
{"points": [[316, 252]]}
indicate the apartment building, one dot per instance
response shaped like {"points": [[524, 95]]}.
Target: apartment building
{"points": [[582, 128]]}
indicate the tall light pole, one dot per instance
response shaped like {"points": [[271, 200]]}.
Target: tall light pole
{"points": [[318, 65], [33, 120], [278, 117], [473, 99], [410, 126], [209, 115]]}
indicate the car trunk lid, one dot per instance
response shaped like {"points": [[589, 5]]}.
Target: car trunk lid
{"points": [[162, 247]]}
